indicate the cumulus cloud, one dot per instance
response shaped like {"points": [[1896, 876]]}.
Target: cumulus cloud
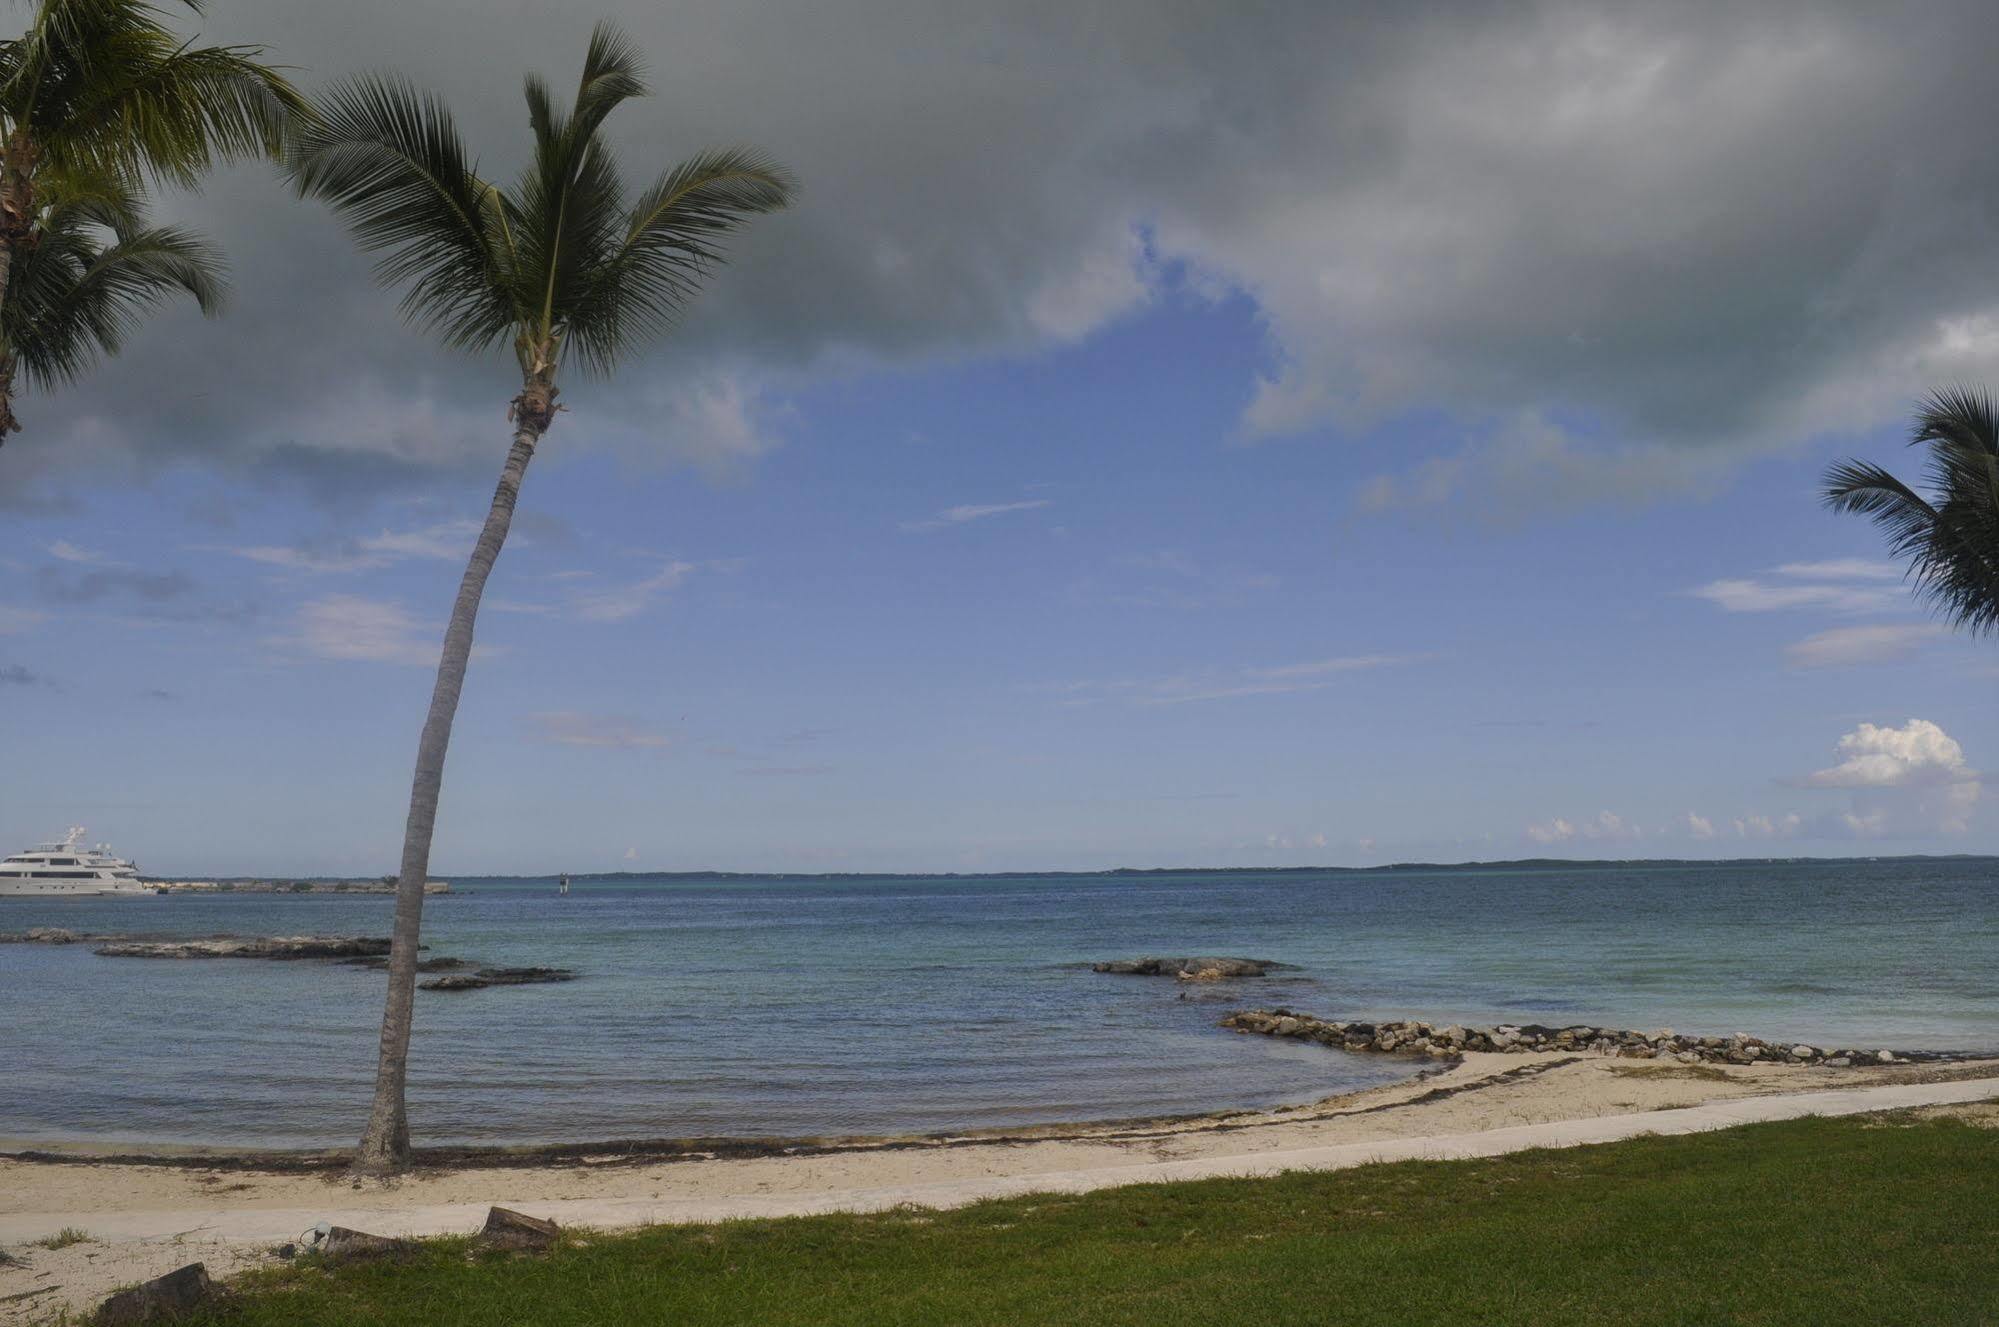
{"points": [[1916, 754], [1843, 646], [1606, 827], [1909, 780], [571, 728], [1699, 827], [1769, 827]]}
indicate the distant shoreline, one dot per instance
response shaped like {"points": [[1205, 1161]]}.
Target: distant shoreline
{"points": [[1121, 872]]}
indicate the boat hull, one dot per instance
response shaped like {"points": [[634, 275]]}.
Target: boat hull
{"points": [[20, 888]]}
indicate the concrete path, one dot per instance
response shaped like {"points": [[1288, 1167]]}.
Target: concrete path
{"points": [[277, 1225]]}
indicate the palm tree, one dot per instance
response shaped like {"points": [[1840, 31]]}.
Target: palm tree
{"points": [[562, 262], [98, 96], [1949, 540], [95, 269]]}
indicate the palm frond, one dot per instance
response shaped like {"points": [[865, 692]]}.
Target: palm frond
{"points": [[77, 295], [673, 237], [390, 160], [564, 256], [106, 84], [613, 73], [1949, 544]]}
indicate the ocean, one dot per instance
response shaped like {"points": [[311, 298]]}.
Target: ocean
{"points": [[747, 1007]]}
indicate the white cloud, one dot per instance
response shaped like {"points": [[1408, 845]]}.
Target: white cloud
{"points": [[719, 422], [1699, 827], [1911, 780], [1607, 827], [1918, 752], [1188, 688], [65, 551], [572, 728], [449, 541], [349, 627], [1767, 827], [1348, 663], [1753, 596], [617, 603], [1842, 569], [968, 512], [1859, 645], [446, 540], [1108, 282], [304, 559]]}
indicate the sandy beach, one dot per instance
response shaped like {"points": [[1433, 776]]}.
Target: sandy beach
{"points": [[148, 1217]]}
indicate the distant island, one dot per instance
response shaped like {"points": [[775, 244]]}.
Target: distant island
{"points": [[1119, 872]]}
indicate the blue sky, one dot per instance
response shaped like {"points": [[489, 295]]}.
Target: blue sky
{"points": [[1193, 546]]}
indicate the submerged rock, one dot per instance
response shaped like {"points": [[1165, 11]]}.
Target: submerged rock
{"points": [[276, 947], [1191, 969], [473, 981]]}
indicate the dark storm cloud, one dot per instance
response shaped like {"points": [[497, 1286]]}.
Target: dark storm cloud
{"points": [[1621, 243], [14, 675]]}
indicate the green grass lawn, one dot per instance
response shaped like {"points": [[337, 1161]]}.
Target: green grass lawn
{"points": [[1808, 1221]]}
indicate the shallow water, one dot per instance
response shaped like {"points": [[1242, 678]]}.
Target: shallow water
{"points": [[758, 1007]]}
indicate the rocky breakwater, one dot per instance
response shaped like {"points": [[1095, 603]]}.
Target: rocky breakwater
{"points": [[273, 947], [1191, 969], [1439, 1041], [484, 977]]}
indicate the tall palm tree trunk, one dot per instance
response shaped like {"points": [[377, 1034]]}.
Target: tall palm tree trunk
{"points": [[385, 1147]]}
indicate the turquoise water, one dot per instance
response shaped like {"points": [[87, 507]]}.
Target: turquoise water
{"points": [[794, 1007]]}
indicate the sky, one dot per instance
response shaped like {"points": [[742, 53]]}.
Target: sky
{"points": [[1161, 434]]}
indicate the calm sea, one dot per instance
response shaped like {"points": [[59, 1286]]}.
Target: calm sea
{"points": [[792, 1007]]}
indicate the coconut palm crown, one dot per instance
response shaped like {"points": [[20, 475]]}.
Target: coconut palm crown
{"points": [[96, 269], [98, 97], [563, 263], [1949, 540]]}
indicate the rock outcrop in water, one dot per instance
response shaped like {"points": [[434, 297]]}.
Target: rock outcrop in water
{"points": [[1191, 969], [484, 977], [45, 935], [380, 963], [1418, 1038], [237, 946]]}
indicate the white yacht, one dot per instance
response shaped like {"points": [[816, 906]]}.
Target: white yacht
{"points": [[67, 867]]}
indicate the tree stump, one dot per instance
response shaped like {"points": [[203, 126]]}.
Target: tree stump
{"points": [[162, 1299], [517, 1231]]}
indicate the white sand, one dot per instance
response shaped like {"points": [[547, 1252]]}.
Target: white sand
{"points": [[148, 1219]]}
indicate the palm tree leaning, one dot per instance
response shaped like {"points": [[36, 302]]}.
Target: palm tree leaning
{"points": [[95, 269], [564, 262], [1950, 540], [98, 96]]}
